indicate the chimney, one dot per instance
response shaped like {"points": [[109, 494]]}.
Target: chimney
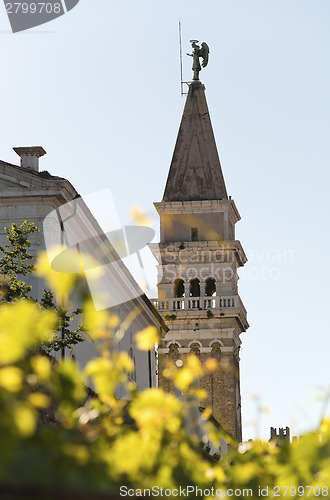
{"points": [[30, 156]]}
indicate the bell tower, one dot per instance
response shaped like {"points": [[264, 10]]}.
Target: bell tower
{"points": [[198, 257]]}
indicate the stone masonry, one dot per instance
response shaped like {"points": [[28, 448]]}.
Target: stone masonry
{"points": [[198, 258]]}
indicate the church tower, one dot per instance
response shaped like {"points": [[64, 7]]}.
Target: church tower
{"points": [[198, 257]]}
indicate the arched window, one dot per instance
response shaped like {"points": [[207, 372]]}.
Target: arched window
{"points": [[195, 349], [194, 234], [216, 351], [178, 288], [195, 289], [174, 352], [210, 288]]}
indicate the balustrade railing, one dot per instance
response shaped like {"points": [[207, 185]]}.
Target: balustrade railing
{"points": [[197, 303]]}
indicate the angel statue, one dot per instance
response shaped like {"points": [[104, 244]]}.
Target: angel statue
{"points": [[198, 52]]}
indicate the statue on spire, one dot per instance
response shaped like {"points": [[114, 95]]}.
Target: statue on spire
{"points": [[198, 52]]}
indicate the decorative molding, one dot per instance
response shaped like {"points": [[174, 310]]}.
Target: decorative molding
{"points": [[227, 349], [202, 334], [195, 342], [173, 342], [215, 341]]}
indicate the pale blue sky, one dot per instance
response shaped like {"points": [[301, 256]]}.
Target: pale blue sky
{"points": [[99, 89]]}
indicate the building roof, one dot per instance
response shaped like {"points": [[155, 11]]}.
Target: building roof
{"points": [[16, 181], [195, 171], [15, 176]]}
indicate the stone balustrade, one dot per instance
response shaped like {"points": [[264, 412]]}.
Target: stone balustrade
{"points": [[198, 303]]}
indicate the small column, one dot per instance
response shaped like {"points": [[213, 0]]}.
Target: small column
{"points": [[186, 295], [217, 294]]}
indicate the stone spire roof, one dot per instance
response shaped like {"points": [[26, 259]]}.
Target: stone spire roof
{"points": [[195, 171]]}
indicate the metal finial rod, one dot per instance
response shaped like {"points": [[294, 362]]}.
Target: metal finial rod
{"points": [[181, 71]]}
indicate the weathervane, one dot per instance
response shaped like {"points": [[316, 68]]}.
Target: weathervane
{"points": [[198, 52]]}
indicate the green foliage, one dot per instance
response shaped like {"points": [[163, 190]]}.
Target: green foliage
{"points": [[172, 317], [53, 434], [59, 440], [17, 261], [67, 445], [66, 337], [209, 314]]}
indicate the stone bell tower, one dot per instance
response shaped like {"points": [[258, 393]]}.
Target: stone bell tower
{"points": [[198, 257]]}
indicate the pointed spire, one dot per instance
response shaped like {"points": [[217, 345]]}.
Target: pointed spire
{"points": [[195, 171]]}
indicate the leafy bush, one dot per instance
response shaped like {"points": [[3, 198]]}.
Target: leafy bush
{"points": [[61, 440]]}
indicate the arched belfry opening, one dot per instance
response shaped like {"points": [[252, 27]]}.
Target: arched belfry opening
{"points": [[210, 288], [195, 349], [216, 351], [174, 352], [195, 289], [178, 288]]}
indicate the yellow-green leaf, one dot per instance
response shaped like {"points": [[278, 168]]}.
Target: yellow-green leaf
{"points": [[147, 338], [11, 378]]}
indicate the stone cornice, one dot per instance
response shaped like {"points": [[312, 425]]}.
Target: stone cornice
{"points": [[202, 334], [239, 315], [195, 207], [190, 247]]}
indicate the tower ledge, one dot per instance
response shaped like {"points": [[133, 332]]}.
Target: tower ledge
{"points": [[199, 206]]}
